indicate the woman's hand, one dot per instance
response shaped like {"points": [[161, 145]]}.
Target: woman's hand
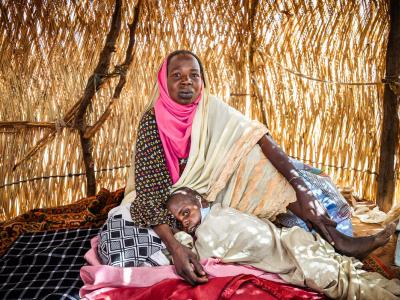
{"points": [[313, 213], [307, 207], [187, 266]]}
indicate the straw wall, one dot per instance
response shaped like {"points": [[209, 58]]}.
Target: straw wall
{"points": [[50, 48]]}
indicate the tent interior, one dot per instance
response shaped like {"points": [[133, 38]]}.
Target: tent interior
{"points": [[314, 72]]}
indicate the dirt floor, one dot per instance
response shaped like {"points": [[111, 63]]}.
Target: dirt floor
{"points": [[386, 253]]}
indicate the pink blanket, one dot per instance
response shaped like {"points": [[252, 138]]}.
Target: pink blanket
{"points": [[99, 278]]}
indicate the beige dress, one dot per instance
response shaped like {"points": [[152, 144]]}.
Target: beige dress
{"points": [[227, 165], [298, 256]]}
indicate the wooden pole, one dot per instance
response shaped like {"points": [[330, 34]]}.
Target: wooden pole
{"points": [[94, 83], [27, 124], [390, 126], [122, 71]]}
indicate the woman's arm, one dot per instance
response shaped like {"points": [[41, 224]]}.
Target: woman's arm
{"points": [[186, 264], [148, 209], [307, 206]]}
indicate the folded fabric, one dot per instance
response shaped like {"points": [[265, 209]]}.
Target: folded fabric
{"points": [[100, 278], [240, 287], [374, 216], [88, 212], [122, 244]]}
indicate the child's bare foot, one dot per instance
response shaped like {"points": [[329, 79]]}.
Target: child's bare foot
{"points": [[360, 247]]}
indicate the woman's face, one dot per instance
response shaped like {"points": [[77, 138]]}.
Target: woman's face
{"points": [[184, 79]]}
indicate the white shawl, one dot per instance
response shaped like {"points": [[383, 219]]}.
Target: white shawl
{"points": [[226, 164]]}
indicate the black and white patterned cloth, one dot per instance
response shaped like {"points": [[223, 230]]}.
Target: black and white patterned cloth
{"points": [[45, 265], [122, 244]]}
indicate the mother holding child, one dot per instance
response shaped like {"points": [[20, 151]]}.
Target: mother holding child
{"points": [[193, 152]]}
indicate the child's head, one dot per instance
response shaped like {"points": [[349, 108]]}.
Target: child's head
{"points": [[185, 205]]}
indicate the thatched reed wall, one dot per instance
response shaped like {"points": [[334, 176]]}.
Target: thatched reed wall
{"points": [[48, 49]]}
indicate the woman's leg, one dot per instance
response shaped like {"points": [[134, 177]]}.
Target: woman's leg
{"points": [[122, 244], [310, 210], [339, 210], [360, 247], [326, 194], [306, 206]]}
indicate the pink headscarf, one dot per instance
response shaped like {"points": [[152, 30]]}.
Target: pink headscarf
{"points": [[174, 122]]}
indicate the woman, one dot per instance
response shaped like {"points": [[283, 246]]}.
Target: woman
{"points": [[187, 137]]}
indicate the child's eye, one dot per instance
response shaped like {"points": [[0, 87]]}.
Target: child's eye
{"points": [[176, 75], [195, 75], [185, 212]]}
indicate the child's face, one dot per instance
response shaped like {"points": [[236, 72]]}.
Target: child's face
{"points": [[186, 209]]}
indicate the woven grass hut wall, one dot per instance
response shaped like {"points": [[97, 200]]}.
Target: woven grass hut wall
{"points": [[311, 70]]}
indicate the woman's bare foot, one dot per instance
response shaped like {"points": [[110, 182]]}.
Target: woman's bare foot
{"points": [[360, 247]]}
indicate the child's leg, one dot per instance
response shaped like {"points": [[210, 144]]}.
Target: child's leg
{"points": [[337, 276]]}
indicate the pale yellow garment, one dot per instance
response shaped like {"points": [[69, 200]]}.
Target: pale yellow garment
{"points": [[298, 256], [227, 165], [225, 162]]}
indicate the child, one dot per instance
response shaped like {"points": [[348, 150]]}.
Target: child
{"points": [[190, 208], [298, 256]]}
